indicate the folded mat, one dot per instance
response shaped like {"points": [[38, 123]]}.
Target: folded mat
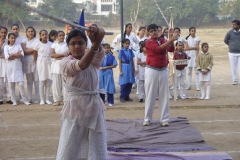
{"points": [[129, 135]]}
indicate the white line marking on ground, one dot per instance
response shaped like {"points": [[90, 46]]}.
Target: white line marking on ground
{"points": [[217, 120], [52, 157], [220, 133], [233, 151], [28, 139], [30, 125]]}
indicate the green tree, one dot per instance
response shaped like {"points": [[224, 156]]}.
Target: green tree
{"points": [[65, 9], [15, 14], [229, 8]]}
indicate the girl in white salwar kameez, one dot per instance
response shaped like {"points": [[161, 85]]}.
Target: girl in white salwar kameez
{"points": [[204, 66], [44, 66], [192, 48], [83, 131], [58, 51], [13, 54], [29, 63], [4, 87], [15, 29]]}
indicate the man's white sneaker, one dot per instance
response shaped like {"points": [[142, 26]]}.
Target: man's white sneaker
{"points": [[146, 123], [110, 105], [164, 124], [14, 104]]}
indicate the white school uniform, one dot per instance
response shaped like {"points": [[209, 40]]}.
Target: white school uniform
{"points": [[29, 68], [43, 60], [19, 39], [4, 88], [44, 68], [141, 77], [133, 41], [28, 61], [57, 86], [180, 39], [14, 71], [192, 42]]}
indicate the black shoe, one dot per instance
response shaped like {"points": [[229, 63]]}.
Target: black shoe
{"points": [[128, 99], [1, 102], [141, 100], [9, 102], [122, 100]]}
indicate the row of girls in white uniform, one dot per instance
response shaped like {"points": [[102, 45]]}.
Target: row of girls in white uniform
{"points": [[37, 59]]}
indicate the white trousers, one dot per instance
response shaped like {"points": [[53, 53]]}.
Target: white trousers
{"points": [[21, 90], [234, 64], [57, 88], [30, 80], [156, 82], [4, 89], [45, 86], [181, 80], [205, 88], [80, 143], [190, 70], [141, 89]]}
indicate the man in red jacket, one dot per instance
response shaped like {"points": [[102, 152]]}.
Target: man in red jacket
{"points": [[156, 75]]}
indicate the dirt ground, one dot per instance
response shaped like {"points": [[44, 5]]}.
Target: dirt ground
{"points": [[34, 130]]}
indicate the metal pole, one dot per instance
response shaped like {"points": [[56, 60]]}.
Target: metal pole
{"points": [[121, 18]]}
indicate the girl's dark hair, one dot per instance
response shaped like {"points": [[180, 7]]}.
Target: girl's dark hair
{"points": [[142, 45], [140, 28], [124, 34], [162, 36], [75, 33], [189, 31], [52, 33], [176, 28], [125, 40], [106, 44], [10, 34], [178, 43], [3, 28], [203, 44], [14, 25], [32, 29], [59, 32], [41, 33], [160, 27]]}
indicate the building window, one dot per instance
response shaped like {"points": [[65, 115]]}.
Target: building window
{"points": [[106, 1], [106, 8]]}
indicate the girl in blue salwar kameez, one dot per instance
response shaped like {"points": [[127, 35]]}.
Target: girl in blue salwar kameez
{"points": [[127, 71], [106, 78]]}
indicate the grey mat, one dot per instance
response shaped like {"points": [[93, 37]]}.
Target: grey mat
{"points": [[129, 135]]}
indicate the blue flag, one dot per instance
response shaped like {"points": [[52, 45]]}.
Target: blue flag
{"points": [[81, 21]]}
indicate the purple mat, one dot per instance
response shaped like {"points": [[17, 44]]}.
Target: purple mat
{"points": [[128, 135], [170, 156]]}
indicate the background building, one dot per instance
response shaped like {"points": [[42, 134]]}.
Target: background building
{"points": [[101, 7]]}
